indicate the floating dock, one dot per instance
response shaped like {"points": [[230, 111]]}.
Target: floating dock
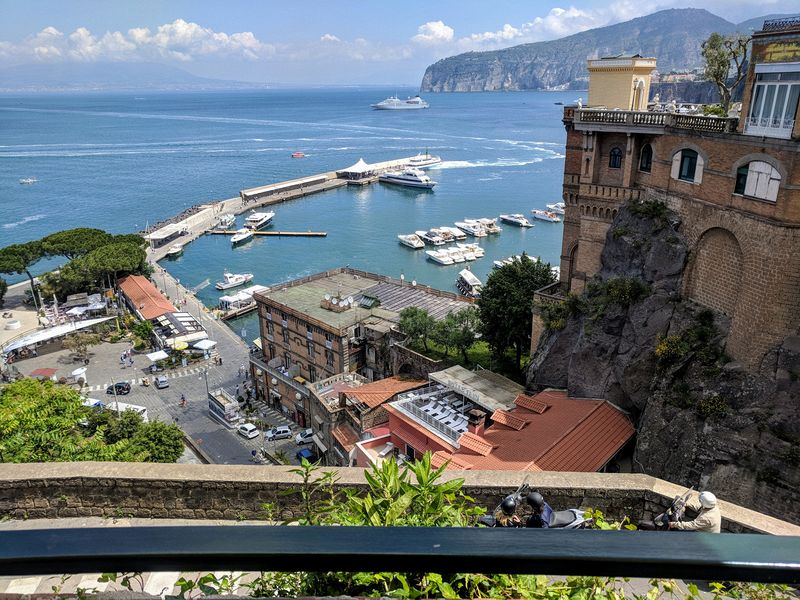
{"points": [[277, 233]]}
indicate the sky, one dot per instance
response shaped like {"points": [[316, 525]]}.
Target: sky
{"points": [[310, 41]]}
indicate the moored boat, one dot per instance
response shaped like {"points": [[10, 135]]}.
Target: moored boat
{"points": [[544, 215], [411, 240], [455, 253], [474, 228], [468, 284], [557, 207], [28, 180], [230, 280], [431, 237], [394, 103], [440, 256], [409, 177], [421, 161], [454, 231], [225, 221], [258, 220], [298, 155], [241, 236], [489, 225], [473, 249], [175, 251], [516, 219]]}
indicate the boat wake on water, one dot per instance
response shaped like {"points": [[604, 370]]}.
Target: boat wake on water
{"points": [[23, 221]]}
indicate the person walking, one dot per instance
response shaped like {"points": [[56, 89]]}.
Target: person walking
{"points": [[183, 401]]}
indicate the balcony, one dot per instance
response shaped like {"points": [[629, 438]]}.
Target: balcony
{"points": [[590, 119], [285, 378], [609, 192]]}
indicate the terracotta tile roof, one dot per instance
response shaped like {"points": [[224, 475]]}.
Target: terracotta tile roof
{"points": [[475, 443], [440, 458], [145, 297], [376, 393], [531, 403], [508, 419], [345, 435]]}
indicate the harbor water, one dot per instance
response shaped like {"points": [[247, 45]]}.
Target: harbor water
{"points": [[122, 161]]}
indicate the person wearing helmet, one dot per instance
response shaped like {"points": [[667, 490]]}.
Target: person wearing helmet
{"points": [[540, 511], [708, 518], [505, 515]]}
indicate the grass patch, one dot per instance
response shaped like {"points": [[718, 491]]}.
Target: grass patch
{"points": [[479, 355]]}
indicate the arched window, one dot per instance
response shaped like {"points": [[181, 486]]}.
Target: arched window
{"points": [[687, 165], [759, 180], [646, 158], [615, 158]]}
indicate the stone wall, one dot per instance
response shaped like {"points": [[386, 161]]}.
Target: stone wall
{"points": [[168, 491]]}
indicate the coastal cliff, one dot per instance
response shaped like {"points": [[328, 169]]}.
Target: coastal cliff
{"points": [[701, 419]]}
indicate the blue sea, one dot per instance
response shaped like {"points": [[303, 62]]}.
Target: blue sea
{"points": [[121, 161]]}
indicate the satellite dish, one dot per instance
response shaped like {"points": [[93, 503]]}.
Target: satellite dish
{"points": [[334, 301], [350, 299], [328, 297], [414, 282]]}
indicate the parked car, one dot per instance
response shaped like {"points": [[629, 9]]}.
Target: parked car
{"points": [[307, 454], [121, 388], [161, 382], [282, 432], [304, 437], [248, 430]]}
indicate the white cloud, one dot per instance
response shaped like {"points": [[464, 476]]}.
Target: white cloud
{"points": [[329, 38], [433, 33]]}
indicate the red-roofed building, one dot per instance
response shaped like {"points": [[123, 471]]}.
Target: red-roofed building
{"points": [[143, 298]]}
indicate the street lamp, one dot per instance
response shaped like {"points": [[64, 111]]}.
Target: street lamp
{"points": [[205, 376]]}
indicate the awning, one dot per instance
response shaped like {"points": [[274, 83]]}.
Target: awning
{"points": [[52, 333], [43, 373], [257, 342], [159, 355], [178, 345], [319, 444], [205, 344]]}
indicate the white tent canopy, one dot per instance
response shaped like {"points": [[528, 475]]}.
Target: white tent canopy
{"points": [[357, 171], [52, 333], [205, 344], [159, 355]]}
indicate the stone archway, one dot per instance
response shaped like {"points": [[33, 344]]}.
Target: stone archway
{"points": [[716, 271]]}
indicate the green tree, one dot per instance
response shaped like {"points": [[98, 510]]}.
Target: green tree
{"points": [[163, 442], [116, 259], [80, 342], [464, 329], [506, 302], [720, 53], [19, 258], [3, 290], [73, 243], [416, 323]]}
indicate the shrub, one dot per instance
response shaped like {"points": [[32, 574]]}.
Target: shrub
{"points": [[619, 232], [713, 405], [653, 209], [714, 110], [670, 350]]}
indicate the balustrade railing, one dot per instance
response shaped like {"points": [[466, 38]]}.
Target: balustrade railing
{"points": [[655, 119]]}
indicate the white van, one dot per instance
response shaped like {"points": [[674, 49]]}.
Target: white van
{"points": [[118, 407]]}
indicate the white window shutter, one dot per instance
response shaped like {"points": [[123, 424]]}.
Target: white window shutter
{"points": [[676, 165], [698, 172]]}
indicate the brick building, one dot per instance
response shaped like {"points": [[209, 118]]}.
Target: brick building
{"points": [[734, 181], [339, 321]]}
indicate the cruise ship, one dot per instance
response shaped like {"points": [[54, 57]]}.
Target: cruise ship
{"points": [[258, 220], [410, 177], [394, 103]]}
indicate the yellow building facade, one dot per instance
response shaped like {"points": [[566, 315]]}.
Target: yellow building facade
{"points": [[620, 82]]}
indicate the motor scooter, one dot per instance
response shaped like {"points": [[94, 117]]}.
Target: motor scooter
{"points": [[571, 518], [673, 514]]}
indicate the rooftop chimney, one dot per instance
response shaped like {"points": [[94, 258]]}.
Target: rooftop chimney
{"points": [[476, 421]]}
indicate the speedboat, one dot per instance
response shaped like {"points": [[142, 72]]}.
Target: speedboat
{"points": [[298, 155], [456, 254], [444, 233], [424, 160], [516, 219], [28, 180], [409, 176], [175, 251], [230, 280], [394, 103], [411, 240], [557, 207], [544, 215], [431, 237], [225, 221], [489, 225], [472, 249], [473, 228], [440, 256], [468, 284], [454, 231], [258, 220], [241, 236]]}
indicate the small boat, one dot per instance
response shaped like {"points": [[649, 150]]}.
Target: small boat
{"points": [[431, 237], [241, 236], [28, 180], [175, 251], [225, 221], [409, 177], [473, 249], [544, 215], [468, 284], [516, 219], [394, 103], [455, 232], [411, 240], [440, 256], [421, 161], [456, 254], [230, 280], [557, 207], [489, 225], [258, 220], [473, 228], [298, 155]]}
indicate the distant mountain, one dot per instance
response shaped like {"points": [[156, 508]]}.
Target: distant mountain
{"points": [[672, 36], [106, 76]]}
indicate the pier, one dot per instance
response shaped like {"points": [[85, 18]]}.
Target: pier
{"points": [[278, 233]]}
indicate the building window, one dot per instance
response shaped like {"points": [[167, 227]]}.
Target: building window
{"points": [[615, 158], [287, 360], [687, 165], [774, 104], [329, 357], [758, 180], [285, 335], [312, 376], [271, 351], [410, 453], [646, 158], [310, 346], [269, 327]]}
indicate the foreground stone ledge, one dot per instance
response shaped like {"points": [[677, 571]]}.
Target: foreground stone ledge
{"points": [[119, 491]]}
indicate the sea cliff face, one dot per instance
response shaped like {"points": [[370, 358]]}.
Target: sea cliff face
{"points": [[701, 419]]}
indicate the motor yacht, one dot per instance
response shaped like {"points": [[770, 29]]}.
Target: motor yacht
{"points": [[175, 251], [455, 232], [230, 280], [468, 284], [431, 237], [225, 221], [473, 228], [473, 249], [241, 236], [258, 220], [456, 254], [544, 215], [409, 177], [557, 207], [440, 256], [394, 103], [298, 155], [28, 180], [421, 161], [444, 233], [411, 240], [489, 225], [516, 219]]}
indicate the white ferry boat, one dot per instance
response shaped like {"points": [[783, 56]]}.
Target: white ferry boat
{"points": [[516, 219], [420, 161], [473, 228], [409, 177], [431, 237], [468, 284], [411, 240], [28, 180], [394, 103], [258, 220], [225, 221], [230, 280], [557, 207], [175, 251], [544, 215], [241, 236], [440, 256]]}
